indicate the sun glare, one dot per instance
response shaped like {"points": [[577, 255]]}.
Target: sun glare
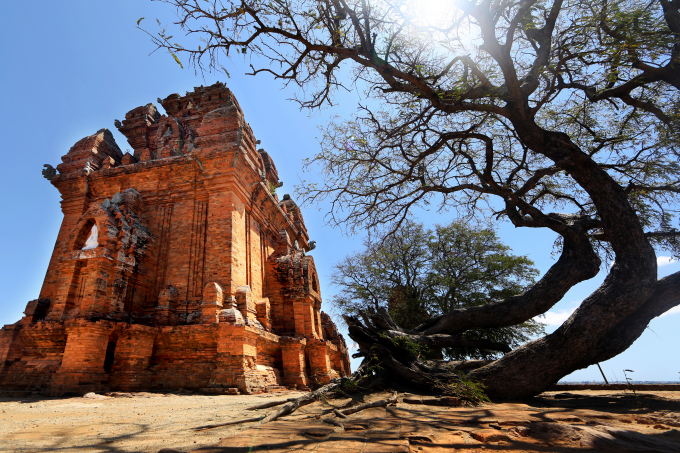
{"points": [[441, 14], [431, 12]]}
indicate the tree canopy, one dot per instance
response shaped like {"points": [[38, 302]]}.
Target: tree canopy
{"points": [[557, 114], [416, 274]]}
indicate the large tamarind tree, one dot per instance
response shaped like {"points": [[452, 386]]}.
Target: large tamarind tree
{"points": [[558, 114]]}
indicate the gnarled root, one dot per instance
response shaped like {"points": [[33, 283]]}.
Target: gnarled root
{"points": [[393, 356]]}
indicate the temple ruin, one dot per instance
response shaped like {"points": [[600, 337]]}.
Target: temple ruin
{"points": [[176, 267]]}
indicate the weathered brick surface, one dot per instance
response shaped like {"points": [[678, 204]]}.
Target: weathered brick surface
{"points": [[294, 363], [175, 266]]}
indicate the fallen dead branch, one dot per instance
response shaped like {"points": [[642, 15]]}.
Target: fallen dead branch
{"points": [[339, 414], [333, 421], [270, 404], [292, 406], [308, 398], [294, 403], [247, 420], [361, 407]]}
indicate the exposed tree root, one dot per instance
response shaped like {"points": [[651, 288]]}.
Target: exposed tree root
{"points": [[396, 358], [378, 380], [342, 414], [385, 359]]}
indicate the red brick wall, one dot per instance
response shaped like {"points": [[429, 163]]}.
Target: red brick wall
{"points": [[192, 207]]}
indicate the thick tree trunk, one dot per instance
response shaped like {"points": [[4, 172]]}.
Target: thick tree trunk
{"points": [[581, 341], [610, 313]]}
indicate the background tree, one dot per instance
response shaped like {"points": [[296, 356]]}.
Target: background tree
{"points": [[558, 114], [416, 274]]}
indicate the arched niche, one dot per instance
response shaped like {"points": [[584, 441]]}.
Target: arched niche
{"points": [[84, 235], [315, 283], [106, 228], [110, 354], [311, 276]]}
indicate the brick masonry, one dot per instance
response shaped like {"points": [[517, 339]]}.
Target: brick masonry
{"points": [[176, 267]]}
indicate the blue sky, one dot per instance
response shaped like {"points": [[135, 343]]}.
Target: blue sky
{"points": [[71, 68]]}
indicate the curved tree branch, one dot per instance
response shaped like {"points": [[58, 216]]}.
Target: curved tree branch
{"points": [[578, 262]]}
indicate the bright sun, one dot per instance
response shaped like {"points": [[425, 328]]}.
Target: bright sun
{"points": [[432, 12]]}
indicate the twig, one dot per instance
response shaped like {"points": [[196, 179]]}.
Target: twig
{"points": [[602, 372], [339, 414]]}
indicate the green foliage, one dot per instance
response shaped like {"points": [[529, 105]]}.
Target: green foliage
{"points": [[418, 273], [469, 389], [406, 343], [349, 385]]}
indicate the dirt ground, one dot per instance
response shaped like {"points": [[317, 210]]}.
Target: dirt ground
{"points": [[555, 421], [145, 422]]}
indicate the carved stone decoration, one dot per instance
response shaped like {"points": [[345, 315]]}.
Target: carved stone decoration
{"points": [[49, 172], [213, 298], [173, 138], [212, 293], [231, 315], [168, 297], [290, 207]]}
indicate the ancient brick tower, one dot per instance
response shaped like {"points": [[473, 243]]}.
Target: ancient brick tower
{"points": [[175, 267]]}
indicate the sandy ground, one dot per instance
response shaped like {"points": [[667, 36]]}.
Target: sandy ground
{"points": [[148, 422]]}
